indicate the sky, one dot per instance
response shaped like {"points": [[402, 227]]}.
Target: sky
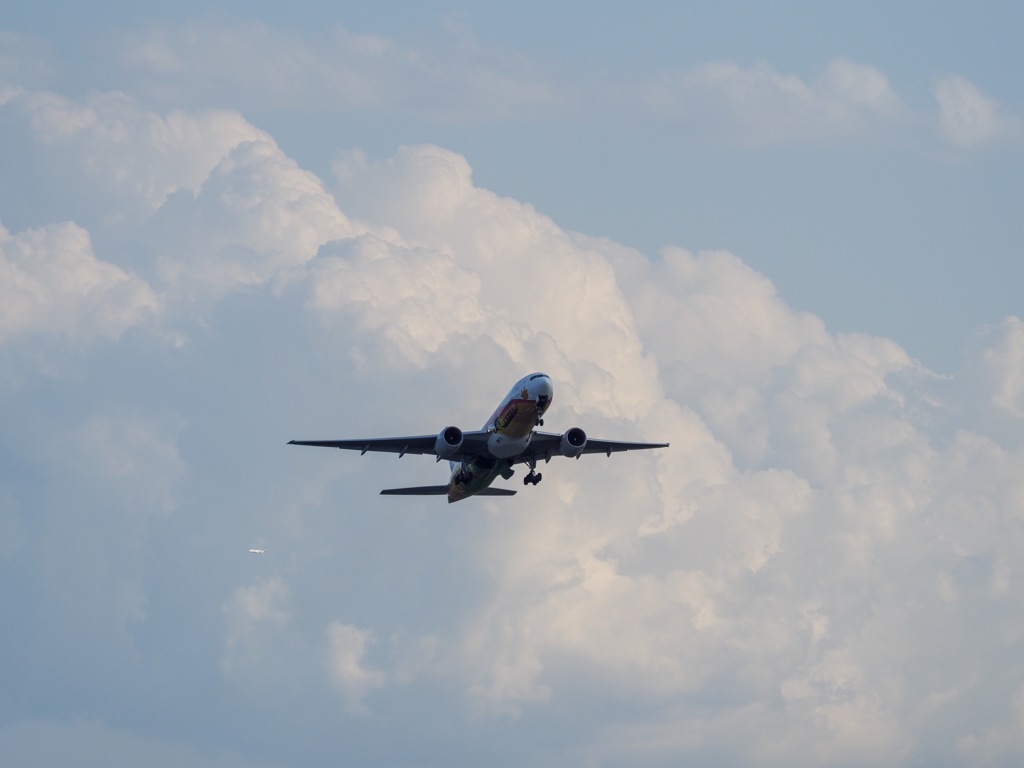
{"points": [[784, 239]]}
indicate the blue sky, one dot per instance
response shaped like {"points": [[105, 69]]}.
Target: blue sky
{"points": [[784, 239]]}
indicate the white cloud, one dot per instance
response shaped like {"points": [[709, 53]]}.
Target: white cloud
{"points": [[210, 203], [255, 614], [967, 116], [50, 281], [346, 647], [799, 499], [995, 372], [788, 571], [118, 148], [255, 217], [804, 567], [579, 321], [761, 106], [417, 296], [264, 601]]}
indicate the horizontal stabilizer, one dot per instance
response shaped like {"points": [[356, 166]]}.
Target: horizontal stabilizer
{"points": [[422, 490]]}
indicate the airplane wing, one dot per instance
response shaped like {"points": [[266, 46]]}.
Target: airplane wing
{"points": [[473, 444], [545, 445], [442, 490]]}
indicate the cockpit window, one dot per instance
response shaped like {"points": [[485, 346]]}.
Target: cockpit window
{"points": [[538, 376]]}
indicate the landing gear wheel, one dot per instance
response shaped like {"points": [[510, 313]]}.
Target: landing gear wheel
{"points": [[534, 477]]}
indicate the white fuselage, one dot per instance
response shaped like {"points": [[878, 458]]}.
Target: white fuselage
{"points": [[509, 429]]}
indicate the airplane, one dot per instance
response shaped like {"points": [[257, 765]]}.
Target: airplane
{"points": [[257, 551], [477, 458]]}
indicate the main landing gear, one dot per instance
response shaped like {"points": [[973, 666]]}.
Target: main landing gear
{"points": [[534, 477]]}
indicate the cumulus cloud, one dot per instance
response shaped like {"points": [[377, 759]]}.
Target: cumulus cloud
{"points": [[427, 195], [968, 117], [256, 216], [51, 281], [211, 202], [825, 562], [801, 490], [419, 297], [136, 154], [760, 105]]}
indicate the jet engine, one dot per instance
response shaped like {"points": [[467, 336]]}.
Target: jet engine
{"points": [[448, 443], [573, 442]]}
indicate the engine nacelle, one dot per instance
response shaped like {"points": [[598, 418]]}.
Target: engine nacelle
{"points": [[448, 443], [573, 442]]}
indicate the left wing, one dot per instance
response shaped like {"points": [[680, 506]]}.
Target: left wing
{"points": [[545, 445], [473, 444], [442, 490]]}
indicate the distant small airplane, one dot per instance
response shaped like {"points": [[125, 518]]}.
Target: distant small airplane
{"points": [[258, 551], [477, 458]]}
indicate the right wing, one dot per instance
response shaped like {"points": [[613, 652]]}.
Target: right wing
{"points": [[545, 445], [473, 444]]}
